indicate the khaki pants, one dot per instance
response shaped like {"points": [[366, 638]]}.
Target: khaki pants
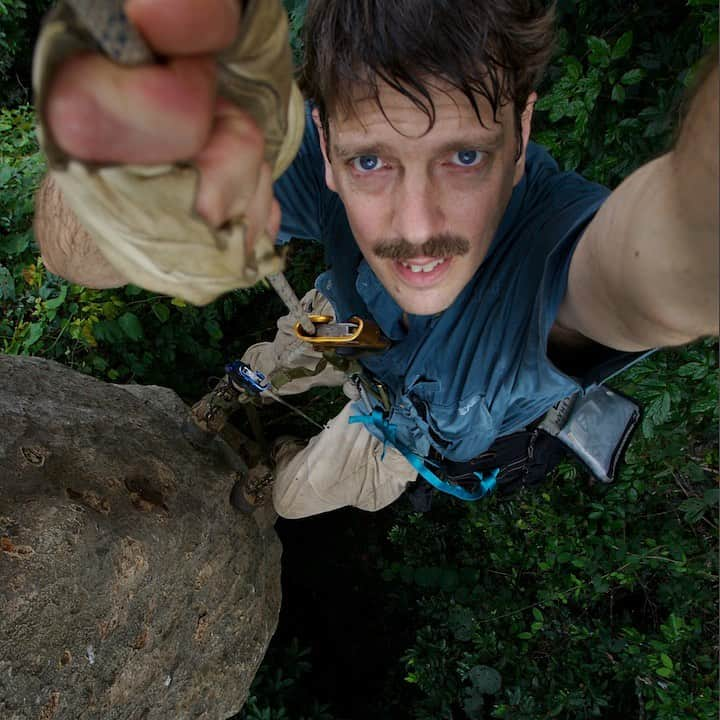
{"points": [[342, 465]]}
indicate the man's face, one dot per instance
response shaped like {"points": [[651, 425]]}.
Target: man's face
{"points": [[424, 206]]}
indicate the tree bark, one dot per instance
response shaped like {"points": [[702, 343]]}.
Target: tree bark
{"points": [[130, 588]]}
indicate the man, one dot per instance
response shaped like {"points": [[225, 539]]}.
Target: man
{"points": [[493, 274]]}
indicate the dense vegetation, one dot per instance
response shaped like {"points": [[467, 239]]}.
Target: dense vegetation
{"points": [[575, 601]]}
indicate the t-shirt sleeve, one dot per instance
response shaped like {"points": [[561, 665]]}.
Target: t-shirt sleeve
{"points": [[547, 219], [572, 203], [301, 190], [562, 205]]}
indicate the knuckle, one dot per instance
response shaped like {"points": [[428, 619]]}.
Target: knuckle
{"points": [[209, 206]]}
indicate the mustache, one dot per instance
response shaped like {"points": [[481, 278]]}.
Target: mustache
{"points": [[443, 245]]}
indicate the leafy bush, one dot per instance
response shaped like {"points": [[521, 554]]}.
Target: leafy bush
{"points": [[19, 20], [612, 97], [277, 693]]}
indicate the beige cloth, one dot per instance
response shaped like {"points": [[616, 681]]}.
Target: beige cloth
{"points": [[342, 465], [142, 217]]}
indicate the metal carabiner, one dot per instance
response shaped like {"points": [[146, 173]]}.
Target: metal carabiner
{"points": [[355, 334]]}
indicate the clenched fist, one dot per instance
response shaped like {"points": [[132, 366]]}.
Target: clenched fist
{"points": [[206, 130]]}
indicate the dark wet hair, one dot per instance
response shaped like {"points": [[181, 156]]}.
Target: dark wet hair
{"points": [[496, 49]]}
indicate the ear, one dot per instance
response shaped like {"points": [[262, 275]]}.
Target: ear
{"points": [[525, 126], [329, 175]]}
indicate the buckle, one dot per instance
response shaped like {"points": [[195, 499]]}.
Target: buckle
{"points": [[355, 334]]}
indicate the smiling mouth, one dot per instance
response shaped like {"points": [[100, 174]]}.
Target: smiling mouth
{"points": [[422, 272], [423, 267]]}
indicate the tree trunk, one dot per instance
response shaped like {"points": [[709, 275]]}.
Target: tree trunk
{"points": [[130, 588]]}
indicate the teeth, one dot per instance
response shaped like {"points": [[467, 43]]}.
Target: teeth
{"points": [[424, 268]]}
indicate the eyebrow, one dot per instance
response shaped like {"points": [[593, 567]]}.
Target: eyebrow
{"points": [[470, 142]]}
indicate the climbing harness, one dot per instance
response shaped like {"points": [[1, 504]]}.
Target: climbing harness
{"points": [[595, 425], [482, 485]]}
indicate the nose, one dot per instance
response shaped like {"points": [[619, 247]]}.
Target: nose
{"points": [[417, 211]]}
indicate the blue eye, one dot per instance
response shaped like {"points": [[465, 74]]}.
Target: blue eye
{"points": [[367, 163], [468, 158]]}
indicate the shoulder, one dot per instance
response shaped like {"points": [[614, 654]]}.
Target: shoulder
{"points": [[550, 188], [301, 190]]}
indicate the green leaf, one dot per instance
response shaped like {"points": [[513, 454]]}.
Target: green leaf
{"points": [[427, 576], [35, 331], [694, 371], [107, 331], [618, 94], [664, 672], [711, 497], [15, 244], [693, 509], [485, 679], [55, 303], [632, 77], [524, 636], [461, 623], [449, 579], [131, 326], [599, 51], [623, 45], [573, 68], [213, 329], [161, 312], [658, 411], [473, 704], [7, 284], [666, 661], [537, 614]]}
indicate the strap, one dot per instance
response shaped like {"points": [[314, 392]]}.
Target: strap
{"points": [[282, 376], [389, 433], [611, 366]]}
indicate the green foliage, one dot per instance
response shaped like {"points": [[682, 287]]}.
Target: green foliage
{"points": [[279, 689], [296, 13], [19, 21], [613, 95], [577, 596]]}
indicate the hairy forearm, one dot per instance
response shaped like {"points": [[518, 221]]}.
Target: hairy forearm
{"points": [[66, 248]]}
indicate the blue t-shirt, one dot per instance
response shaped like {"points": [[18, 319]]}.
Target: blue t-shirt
{"points": [[478, 370]]}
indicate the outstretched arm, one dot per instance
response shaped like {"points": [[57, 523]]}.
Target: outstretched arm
{"points": [[645, 273]]}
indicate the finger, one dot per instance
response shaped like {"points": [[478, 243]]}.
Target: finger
{"points": [[257, 212], [229, 165], [185, 27], [102, 112], [273, 226]]}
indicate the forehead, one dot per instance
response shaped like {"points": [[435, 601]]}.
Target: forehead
{"points": [[391, 113]]}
